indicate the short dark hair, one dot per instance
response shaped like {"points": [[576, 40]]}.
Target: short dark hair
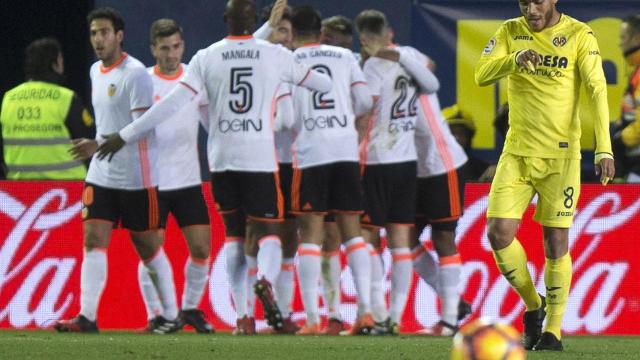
{"points": [[634, 22], [306, 20], [110, 14], [163, 28], [371, 21], [265, 13], [39, 57], [340, 24]]}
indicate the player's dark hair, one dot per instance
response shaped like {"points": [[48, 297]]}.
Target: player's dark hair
{"points": [[265, 14], [340, 24], [39, 57], [163, 28], [634, 23], [306, 20], [371, 21], [110, 14]]}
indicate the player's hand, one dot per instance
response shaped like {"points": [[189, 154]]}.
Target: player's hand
{"points": [[529, 59], [606, 169], [83, 148], [113, 143], [276, 13], [488, 174], [388, 54]]}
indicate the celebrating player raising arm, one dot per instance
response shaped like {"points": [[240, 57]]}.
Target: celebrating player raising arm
{"points": [[546, 56], [241, 76]]}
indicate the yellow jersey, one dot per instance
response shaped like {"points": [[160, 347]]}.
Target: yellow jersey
{"points": [[543, 104]]}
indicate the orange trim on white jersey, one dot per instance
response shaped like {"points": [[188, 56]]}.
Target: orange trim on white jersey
{"points": [[161, 75], [105, 70], [144, 163]]}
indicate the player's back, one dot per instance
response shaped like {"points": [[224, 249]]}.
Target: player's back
{"points": [[390, 137], [241, 75], [117, 92], [178, 165], [324, 122]]}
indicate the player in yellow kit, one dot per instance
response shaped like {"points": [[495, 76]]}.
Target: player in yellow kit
{"points": [[546, 56]]}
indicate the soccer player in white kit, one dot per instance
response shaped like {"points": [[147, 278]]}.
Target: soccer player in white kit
{"points": [[179, 180], [439, 203], [326, 170], [121, 190], [241, 76], [396, 75]]}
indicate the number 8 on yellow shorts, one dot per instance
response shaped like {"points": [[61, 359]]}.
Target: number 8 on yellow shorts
{"points": [[519, 178]]}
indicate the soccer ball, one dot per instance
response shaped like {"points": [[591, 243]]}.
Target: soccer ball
{"points": [[486, 340]]}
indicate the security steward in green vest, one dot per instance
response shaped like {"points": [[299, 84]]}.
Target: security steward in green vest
{"points": [[39, 119]]}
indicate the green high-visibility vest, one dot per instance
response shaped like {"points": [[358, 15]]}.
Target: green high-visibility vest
{"points": [[35, 138]]}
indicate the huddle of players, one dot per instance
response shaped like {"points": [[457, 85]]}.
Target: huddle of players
{"points": [[368, 148]]}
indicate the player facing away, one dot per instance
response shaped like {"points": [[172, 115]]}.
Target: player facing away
{"points": [[121, 190], [442, 168], [241, 76], [546, 57], [179, 182], [326, 175], [277, 30], [396, 75], [335, 31]]}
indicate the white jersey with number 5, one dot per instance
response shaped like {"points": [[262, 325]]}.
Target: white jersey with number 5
{"points": [[242, 75], [117, 92], [324, 122]]}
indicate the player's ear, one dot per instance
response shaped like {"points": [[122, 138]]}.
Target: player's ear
{"points": [[120, 35], [224, 18]]}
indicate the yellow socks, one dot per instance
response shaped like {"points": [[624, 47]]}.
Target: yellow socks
{"points": [[557, 279], [512, 262]]}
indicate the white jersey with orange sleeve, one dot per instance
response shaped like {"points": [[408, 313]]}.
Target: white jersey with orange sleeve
{"points": [[391, 129], [118, 93], [242, 76], [284, 121], [178, 166], [324, 122], [437, 149]]}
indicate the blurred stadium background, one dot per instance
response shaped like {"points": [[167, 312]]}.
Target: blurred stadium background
{"points": [[40, 256]]}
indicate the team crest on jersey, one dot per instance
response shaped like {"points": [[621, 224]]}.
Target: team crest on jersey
{"points": [[489, 48], [112, 90], [559, 40]]}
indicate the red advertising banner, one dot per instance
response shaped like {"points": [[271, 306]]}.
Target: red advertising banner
{"points": [[41, 255]]}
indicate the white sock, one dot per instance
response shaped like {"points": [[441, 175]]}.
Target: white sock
{"points": [[284, 286], [149, 292], [378, 302], [401, 273], [93, 277], [196, 274], [161, 274], [426, 267], [236, 266], [308, 276], [331, 271], [269, 258], [449, 278], [359, 261], [252, 276]]}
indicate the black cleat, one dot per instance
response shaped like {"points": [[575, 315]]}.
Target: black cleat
{"points": [[386, 327], [264, 291], [533, 325], [195, 318], [548, 342], [163, 326], [77, 324], [464, 309]]}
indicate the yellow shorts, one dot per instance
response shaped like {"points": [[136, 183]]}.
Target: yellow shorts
{"points": [[519, 178]]}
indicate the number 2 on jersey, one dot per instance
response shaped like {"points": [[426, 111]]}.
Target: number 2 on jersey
{"points": [[398, 109]]}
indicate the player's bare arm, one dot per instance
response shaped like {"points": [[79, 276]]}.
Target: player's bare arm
{"points": [[277, 12]]}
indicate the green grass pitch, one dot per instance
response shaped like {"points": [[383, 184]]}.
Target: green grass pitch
{"points": [[188, 346]]}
